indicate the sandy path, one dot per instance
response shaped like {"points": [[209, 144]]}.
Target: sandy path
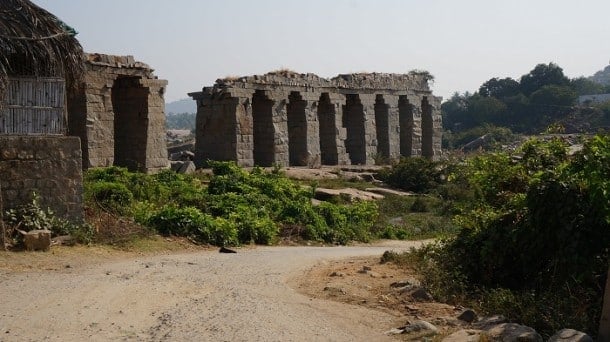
{"points": [[204, 296]]}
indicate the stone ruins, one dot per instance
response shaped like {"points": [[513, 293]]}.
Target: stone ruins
{"points": [[291, 119], [119, 114]]}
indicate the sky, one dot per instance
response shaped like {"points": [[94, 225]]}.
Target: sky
{"points": [[191, 43]]}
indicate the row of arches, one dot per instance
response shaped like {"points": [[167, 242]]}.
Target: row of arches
{"points": [[314, 128]]}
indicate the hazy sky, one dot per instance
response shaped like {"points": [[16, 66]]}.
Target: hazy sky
{"points": [[191, 43]]}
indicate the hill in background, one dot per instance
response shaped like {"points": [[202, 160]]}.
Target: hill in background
{"points": [[181, 106]]}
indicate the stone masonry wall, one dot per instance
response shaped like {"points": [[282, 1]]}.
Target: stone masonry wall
{"points": [[48, 165], [119, 114], [287, 118]]}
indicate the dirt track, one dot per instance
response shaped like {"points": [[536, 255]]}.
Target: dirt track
{"points": [[203, 296]]}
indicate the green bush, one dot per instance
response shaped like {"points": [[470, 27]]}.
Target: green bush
{"points": [[415, 174], [534, 244], [110, 196]]}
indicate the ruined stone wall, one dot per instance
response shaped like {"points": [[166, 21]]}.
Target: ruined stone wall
{"points": [[48, 165], [119, 114], [288, 118]]}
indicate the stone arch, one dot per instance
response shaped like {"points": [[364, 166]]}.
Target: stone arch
{"points": [[405, 122], [353, 121], [297, 129], [328, 130], [427, 129], [382, 127], [130, 108], [263, 130]]}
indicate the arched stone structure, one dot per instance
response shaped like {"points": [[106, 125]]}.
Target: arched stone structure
{"points": [[119, 114], [287, 118]]}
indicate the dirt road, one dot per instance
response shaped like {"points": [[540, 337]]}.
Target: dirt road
{"points": [[203, 296]]}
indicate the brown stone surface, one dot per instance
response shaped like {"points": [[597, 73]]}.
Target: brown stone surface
{"points": [[47, 165], [119, 114], [287, 118]]}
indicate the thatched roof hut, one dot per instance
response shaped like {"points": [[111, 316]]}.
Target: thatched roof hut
{"points": [[34, 42]]}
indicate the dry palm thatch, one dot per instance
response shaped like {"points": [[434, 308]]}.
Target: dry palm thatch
{"points": [[34, 42]]}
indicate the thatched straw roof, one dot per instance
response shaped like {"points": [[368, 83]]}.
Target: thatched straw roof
{"points": [[34, 42]]}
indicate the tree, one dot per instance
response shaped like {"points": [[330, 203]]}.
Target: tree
{"points": [[554, 95], [499, 88], [541, 76], [584, 86]]}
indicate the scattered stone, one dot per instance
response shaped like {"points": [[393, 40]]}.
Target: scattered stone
{"points": [[395, 331], [466, 335], [487, 323], [386, 191], [65, 240], [373, 274], [570, 335], [468, 316], [420, 326], [401, 284], [396, 221], [335, 290], [365, 269], [421, 294], [337, 274], [510, 332], [226, 250]]}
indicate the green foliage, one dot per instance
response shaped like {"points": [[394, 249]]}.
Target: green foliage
{"points": [[540, 98], [415, 174], [535, 242], [181, 121], [236, 207], [32, 216], [110, 196]]}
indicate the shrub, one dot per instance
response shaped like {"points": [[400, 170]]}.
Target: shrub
{"points": [[110, 196], [415, 174]]}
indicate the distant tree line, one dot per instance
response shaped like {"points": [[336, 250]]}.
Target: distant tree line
{"points": [[538, 99], [181, 121]]}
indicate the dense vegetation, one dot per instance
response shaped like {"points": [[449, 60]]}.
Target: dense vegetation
{"points": [[540, 98], [534, 238], [235, 206]]}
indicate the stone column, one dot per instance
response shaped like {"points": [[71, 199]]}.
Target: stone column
{"points": [[338, 100], [437, 121], [393, 125], [156, 145], [370, 133], [313, 127], [224, 127], [415, 102], [280, 126]]}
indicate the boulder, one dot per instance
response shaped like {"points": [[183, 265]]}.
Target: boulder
{"points": [[468, 316], [512, 332], [35, 240], [421, 294], [486, 323], [570, 335]]}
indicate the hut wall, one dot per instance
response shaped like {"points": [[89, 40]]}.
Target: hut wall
{"points": [[33, 105], [47, 165]]}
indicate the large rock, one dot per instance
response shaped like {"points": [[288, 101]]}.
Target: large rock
{"points": [[570, 335], [37, 240], [512, 332]]}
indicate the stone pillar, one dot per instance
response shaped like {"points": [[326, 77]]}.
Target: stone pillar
{"points": [[393, 125], [370, 133], [95, 124], [338, 100], [415, 102], [156, 144], [224, 127], [437, 121], [312, 127], [280, 127]]}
